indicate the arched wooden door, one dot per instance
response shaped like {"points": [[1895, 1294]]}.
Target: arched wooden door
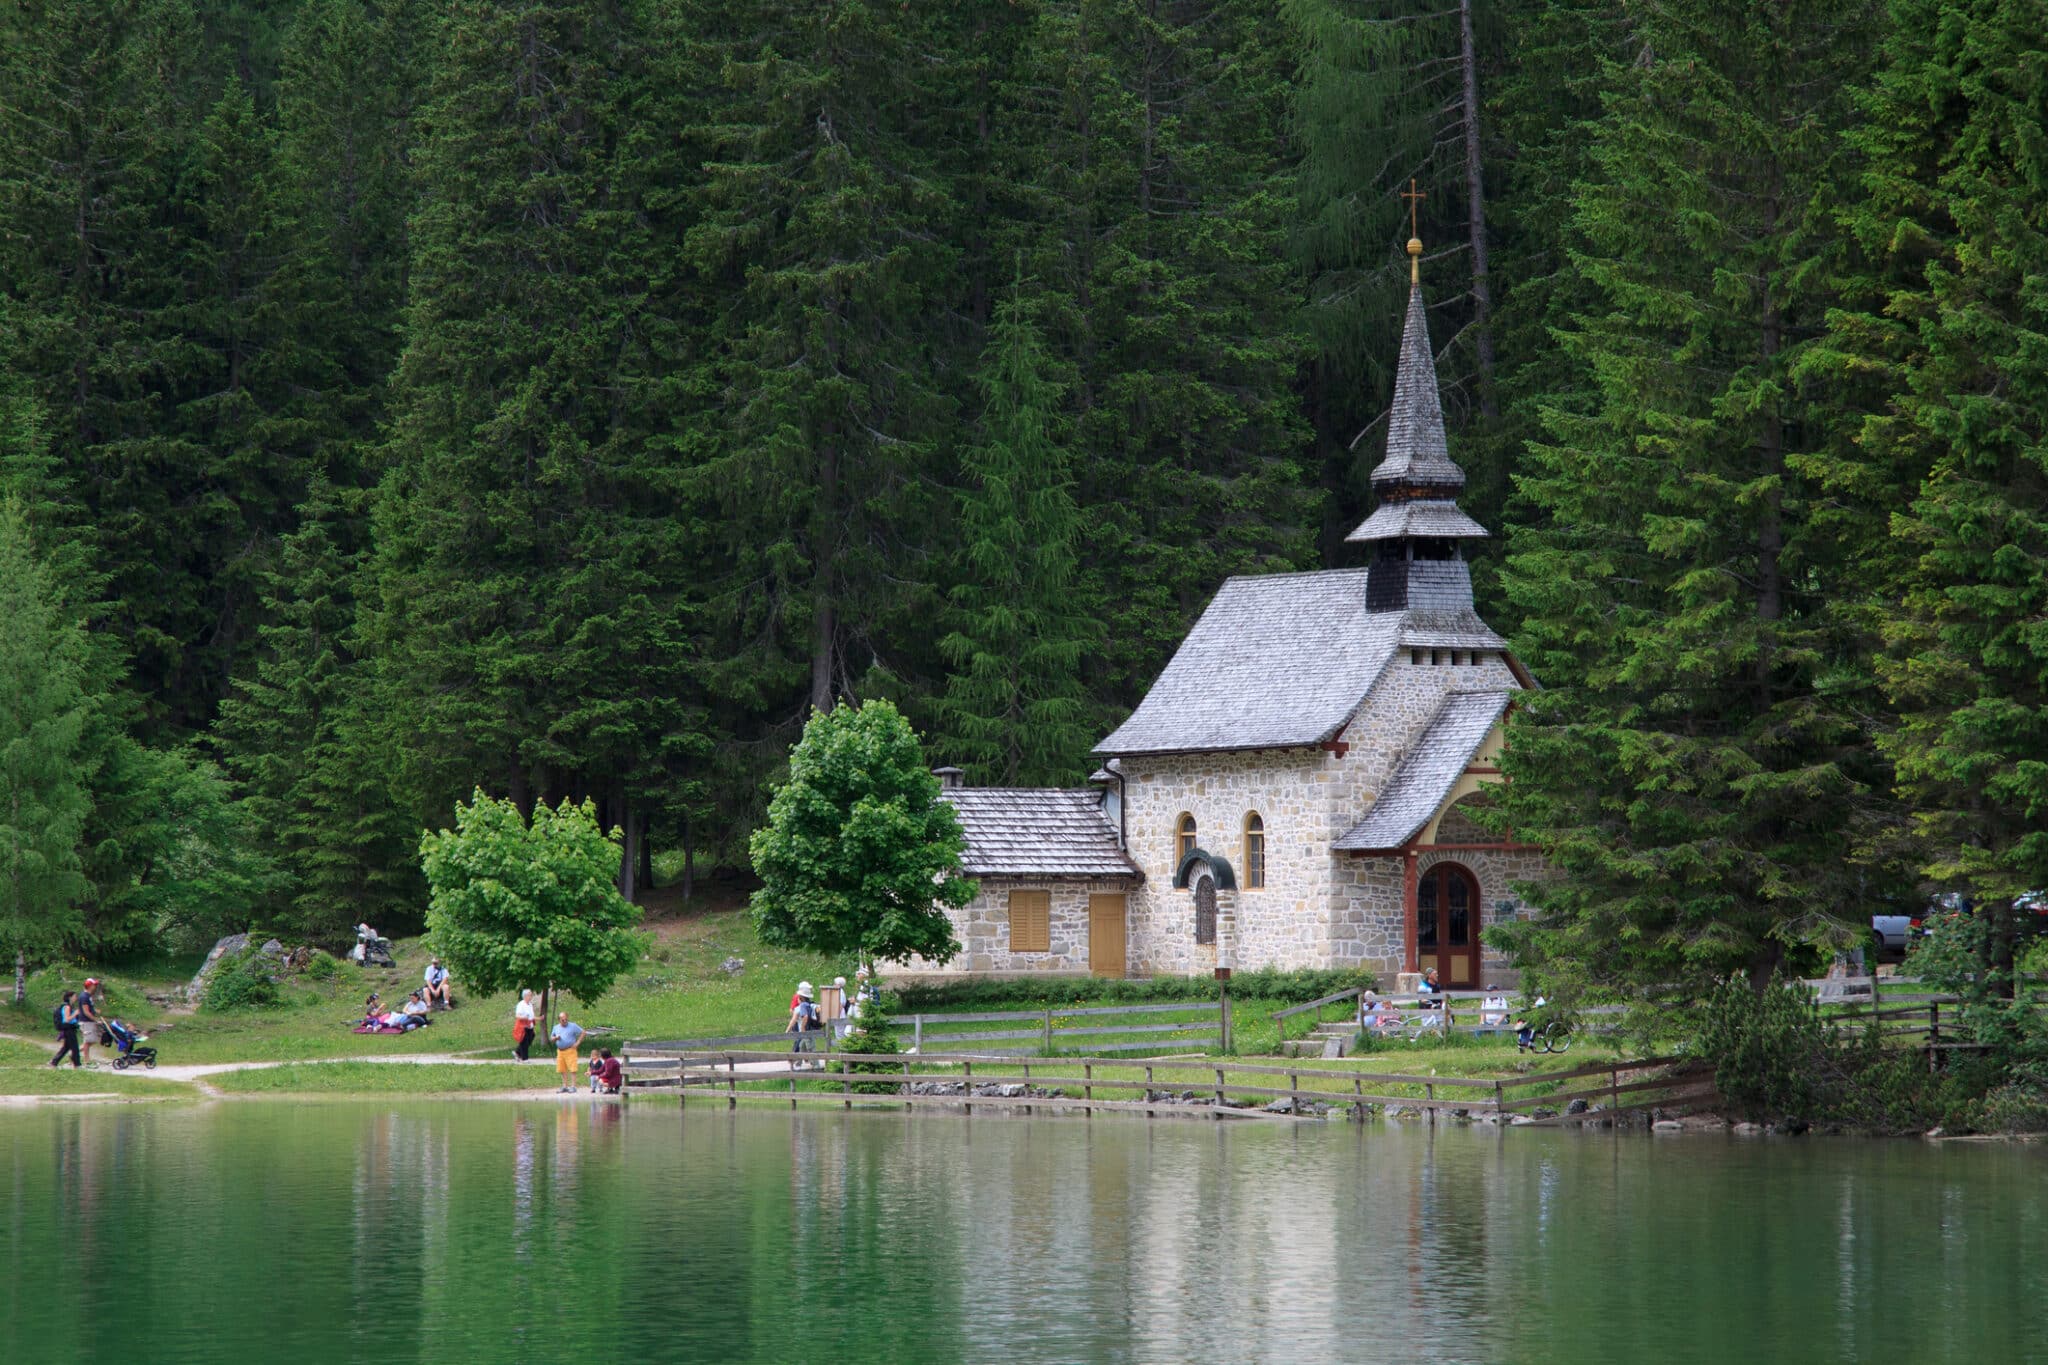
{"points": [[1447, 925]]}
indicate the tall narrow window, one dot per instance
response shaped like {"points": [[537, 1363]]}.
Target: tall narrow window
{"points": [[1254, 852], [1205, 909], [1184, 840], [1031, 921]]}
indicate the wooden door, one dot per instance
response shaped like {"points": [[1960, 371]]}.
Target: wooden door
{"points": [[1447, 925], [1106, 935]]}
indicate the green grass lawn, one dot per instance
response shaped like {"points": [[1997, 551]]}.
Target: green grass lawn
{"points": [[676, 991], [40, 1078], [374, 1078]]}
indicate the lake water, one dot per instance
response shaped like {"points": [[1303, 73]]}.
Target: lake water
{"points": [[265, 1233]]}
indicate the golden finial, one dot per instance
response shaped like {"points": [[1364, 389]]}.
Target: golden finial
{"points": [[1414, 197]]}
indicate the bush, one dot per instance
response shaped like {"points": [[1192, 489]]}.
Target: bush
{"points": [[873, 1035], [322, 967], [1771, 1052], [1024, 992], [241, 984]]}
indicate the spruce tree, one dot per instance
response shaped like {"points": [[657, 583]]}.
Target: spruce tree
{"points": [[1697, 758], [1019, 623], [1145, 191], [1952, 332], [43, 802], [529, 614]]}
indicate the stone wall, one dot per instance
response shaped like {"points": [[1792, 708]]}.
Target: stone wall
{"points": [[1372, 906], [983, 927], [1284, 924]]}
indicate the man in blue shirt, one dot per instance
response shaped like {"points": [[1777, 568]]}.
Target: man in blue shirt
{"points": [[566, 1036]]}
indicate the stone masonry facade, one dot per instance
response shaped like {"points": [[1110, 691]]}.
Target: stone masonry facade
{"points": [[1317, 908], [983, 927]]}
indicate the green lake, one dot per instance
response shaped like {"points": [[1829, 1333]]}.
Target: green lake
{"points": [[277, 1233]]}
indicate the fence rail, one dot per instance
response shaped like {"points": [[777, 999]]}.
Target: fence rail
{"points": [[1170, 1085], [1208, 1026]]}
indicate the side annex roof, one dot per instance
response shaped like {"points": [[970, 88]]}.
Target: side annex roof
{"points": [[1277, 661], [1037, 832], [1427, 774]]}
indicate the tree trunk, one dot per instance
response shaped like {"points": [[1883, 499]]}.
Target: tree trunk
{"points": [[689, 862], [646, 855], [1764, 965], [1475, 215], [824, 618], [629, 854], [20, 977]]}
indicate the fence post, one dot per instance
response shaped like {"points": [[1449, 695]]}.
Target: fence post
{"points": [[1429, 1094], [1219, 1092], [1614, 1091], [1497, 1099], [1226, 1019], [845, 1086], [1088, 1086], [1148, 1089], [967, 1074], [1933, 1036], [917, 1033], [1048, 1032]]}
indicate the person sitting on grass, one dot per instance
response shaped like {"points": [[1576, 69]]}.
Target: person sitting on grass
{"points": [[416, 1010], [437, 986], [373, 1009]]}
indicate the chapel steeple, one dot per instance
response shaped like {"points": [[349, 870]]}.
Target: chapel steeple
{"points": [[1417, 528]]}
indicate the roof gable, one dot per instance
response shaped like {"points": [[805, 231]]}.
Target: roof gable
{"points": [[1427, 773], [1277, 661]]}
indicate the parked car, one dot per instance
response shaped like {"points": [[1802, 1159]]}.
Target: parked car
{"points": [[2032, 907]]}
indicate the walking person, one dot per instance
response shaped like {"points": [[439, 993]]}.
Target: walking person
{"points": [[522, 1026], [65, 1017], [803, 1019], [566, 1036], [88, 1014]]}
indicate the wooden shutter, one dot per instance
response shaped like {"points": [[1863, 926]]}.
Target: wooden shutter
{"points": [[1031, 921]]}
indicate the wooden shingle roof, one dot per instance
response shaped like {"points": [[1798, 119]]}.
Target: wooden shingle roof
{"points": [[1037, 832], [1427, 773], [1277, 661], [1429, 517], [1417, 453]]}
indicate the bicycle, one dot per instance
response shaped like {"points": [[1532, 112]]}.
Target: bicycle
{"points": [[1553, 1035]]}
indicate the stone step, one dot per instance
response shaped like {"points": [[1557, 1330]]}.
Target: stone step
{"points": [[1338, 1029], [1321, 1045]]}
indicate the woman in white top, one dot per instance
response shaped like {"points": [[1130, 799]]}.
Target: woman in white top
{"points": [[522, 1024]]}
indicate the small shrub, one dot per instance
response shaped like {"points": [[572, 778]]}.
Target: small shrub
{"points": [[321, 967], [1769, 1051], [873, 1035], [1025, 992], [242, 984]]}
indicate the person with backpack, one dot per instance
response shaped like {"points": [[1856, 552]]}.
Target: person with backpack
{"points": [[65, 1017], [804, 1019]]}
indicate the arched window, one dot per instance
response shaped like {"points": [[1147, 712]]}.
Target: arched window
{"points": [[1184, 839], [1254, 851], [1205, 909]]}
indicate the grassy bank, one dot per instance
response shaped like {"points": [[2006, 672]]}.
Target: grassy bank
{"points": [[678, 990]]}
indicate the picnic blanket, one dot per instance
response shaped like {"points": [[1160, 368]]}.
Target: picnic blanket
{"points": [[381, 1028]]}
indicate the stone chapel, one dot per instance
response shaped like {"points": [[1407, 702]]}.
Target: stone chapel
{"points": [[1294, 790]]}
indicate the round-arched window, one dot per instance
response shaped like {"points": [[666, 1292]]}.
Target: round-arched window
{"points": [[1183, 839], [1254, 851]]}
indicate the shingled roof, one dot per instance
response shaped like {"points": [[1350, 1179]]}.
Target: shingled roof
{"points": [[1433, 517], [1417, 453], [1277, 661], [1037, 832], [1428, 773]]}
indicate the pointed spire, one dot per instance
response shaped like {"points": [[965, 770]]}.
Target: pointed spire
{"points": [[1417, 454]]}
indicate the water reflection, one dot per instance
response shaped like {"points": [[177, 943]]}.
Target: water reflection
{"points": [[584, 1230]]}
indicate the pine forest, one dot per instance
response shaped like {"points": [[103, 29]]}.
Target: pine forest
{"points": [[566, 398]]}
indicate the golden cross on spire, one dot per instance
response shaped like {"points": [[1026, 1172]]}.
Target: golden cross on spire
{"points": [[1414, 197]]}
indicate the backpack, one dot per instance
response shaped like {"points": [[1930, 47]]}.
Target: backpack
{"points": [[57, 1017], [807, 1016]]}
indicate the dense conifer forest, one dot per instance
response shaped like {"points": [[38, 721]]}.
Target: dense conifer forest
{"points": [[567, 398]]}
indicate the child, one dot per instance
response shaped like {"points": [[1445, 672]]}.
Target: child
{"points": [[596, 1071]]}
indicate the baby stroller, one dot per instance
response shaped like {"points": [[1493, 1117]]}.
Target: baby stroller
{"points": [[129, 1050], [372, 948]]}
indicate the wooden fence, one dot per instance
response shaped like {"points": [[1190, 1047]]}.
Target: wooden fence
{"points": [[1201, 1024], [1194, 1087]]}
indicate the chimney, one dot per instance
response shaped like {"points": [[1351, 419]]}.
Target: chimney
{"points": [[950, 777]]}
